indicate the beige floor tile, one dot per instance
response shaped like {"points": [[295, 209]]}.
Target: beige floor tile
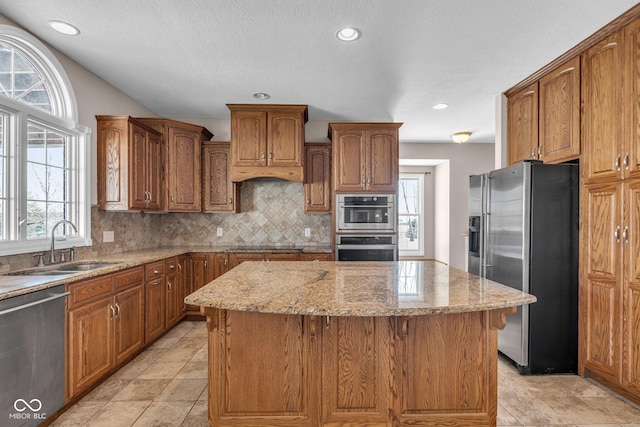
{"points": [[201, 356], [617, 409], [165, 342], [205, 394], [505, 418], [132, 369], [198, 416], [182, 390], [138, 390], [192, 342], [194, 370], [118, 414], [197, 332], [177, 354], [79, 414], [524, 409], [573, 410], [109, 388], [164, 414], [159, 370]]}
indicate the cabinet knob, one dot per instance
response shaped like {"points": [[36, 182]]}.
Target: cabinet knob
{"points": [[308, 202], [206, 265], [533, 153], [270, 156], [180, 267]]}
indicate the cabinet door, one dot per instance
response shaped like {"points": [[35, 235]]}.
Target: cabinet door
{"points": [[285, 138], [155, 303], [219, 193], [602, 88], [221, 264], [154, 171], [183, 176], [113, 173], [631, 159], [522, 124], [129, 323], [349, 159], [249, 138], [172, 292], [138, 165], [181, 284], [317, 178], [235, 259], [90, 348], [283, 352], [560, 113], [601, 282], [382, 160], [631, 238], [355, 371]]}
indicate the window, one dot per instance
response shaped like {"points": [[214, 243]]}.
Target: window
{"points": [[44, 155], [411, 215]]}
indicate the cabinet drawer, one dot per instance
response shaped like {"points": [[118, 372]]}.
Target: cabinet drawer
{"points": [[171, 265], [128, 278], [89, 290], [155, 270]]}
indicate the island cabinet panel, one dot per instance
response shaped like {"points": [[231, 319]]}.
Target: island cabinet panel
{"points": [[355, 371], [260, 363], [443, 360]]}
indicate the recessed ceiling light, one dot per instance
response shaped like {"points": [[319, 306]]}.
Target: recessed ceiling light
{"points": [[261, 95], [64, 28], [440, 106], [348, 34]]}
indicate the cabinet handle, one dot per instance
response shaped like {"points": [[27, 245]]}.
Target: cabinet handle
{"points": [[625, 161], [113, 312], [308, 202], [172, 198], [180, 267], [225, 262], [533, 153], [270, 157], [156, 283], [117, 310], [327, 321], [625, 234], [617, 163], [616, 234], [362, 182], [156, 271], [172, 266], [206, 265], [263, 155], [539, 153], [230, 201], [369, 181], [168, 285]]}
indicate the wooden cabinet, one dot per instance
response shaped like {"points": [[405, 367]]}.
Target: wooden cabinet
{"points": [[105, 326], [267, 141], [559, 114], [204, 268], [238, 258], [356, 357], [129, 165], [522, 124], [316, 257], [317, 178], [176, 287], [181, 163], [219, 193], [155, 300], [364, 156]]}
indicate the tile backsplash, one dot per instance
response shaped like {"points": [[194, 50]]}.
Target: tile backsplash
{"points": [[272, 215]]}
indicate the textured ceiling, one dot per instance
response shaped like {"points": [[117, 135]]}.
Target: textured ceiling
{"points": [[188, 58]]}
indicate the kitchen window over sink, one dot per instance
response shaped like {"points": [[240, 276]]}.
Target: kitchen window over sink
{"points": [[45, 162]]}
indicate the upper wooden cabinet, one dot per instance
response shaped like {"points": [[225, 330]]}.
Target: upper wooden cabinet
{"points": [[219, 193], [181, 162], [522, 124], [317, 178], [365, 156], [129, 165], [267, 141], [559, 114]]}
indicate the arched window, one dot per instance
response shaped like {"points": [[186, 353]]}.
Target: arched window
{"points": [[44, 152]]}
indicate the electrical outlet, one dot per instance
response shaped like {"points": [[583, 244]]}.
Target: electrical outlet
{"points": [[219, 231], [107, 236], [307, 232]]}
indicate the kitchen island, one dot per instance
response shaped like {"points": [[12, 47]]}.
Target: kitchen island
{"points": [[358, 344]]}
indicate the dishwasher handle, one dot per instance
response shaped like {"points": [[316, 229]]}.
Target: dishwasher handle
{"points": [[31, 304]]}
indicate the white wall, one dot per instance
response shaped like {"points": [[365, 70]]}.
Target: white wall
{"points": [[464, 160], [442, 209]]}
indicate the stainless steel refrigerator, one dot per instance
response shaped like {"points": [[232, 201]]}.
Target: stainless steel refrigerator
{"points": [[523, 233]]}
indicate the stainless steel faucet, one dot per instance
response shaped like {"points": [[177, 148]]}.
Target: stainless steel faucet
{"points": [[52, 255]]}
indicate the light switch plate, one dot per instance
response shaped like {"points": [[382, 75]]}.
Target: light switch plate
{"points": [[307, 232], [219, 231], [108, 236]]}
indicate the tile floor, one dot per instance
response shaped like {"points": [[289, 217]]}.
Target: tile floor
{"points": [[166, 385]]}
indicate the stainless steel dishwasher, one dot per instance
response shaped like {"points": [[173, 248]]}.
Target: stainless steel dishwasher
{"points": [[32, 356]]}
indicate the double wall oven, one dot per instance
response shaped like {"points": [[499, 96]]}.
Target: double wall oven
{"points": [[366, 226]]}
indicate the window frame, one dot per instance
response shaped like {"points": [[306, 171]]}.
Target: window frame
{"points": [[20, 115], [421, 214]]}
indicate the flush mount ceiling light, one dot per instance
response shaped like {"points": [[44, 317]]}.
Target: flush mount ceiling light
{"points": [[348, 34], [461, 137], [64, 28], [261, 95], [440, 106]]}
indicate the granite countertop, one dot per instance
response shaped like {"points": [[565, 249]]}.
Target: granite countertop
{"points": [[328, 288], [13, 285]]}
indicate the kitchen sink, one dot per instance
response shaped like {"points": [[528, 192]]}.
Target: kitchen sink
{"points": [[84, 266], [62, 270]]}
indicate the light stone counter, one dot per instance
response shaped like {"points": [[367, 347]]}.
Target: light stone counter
{"points": [[354, 289]]}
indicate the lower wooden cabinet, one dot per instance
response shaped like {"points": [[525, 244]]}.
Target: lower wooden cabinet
{"points": [[176, 288], [105, 326], [155, 300], [316, 257], [204, 267]]}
